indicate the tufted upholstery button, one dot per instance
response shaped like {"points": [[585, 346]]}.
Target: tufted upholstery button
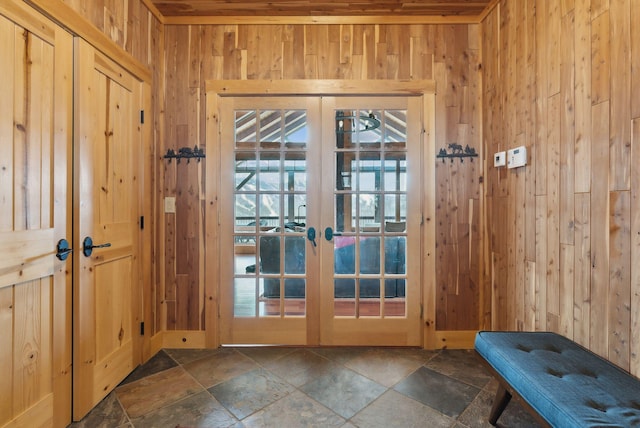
{"points": [[555, 373], [597, 406], [523, 348]]}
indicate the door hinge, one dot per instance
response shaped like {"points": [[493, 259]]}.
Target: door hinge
{"points": [[142, 117], [142, 328], [141, 222]]}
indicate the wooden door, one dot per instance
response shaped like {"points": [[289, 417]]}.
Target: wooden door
{"points": [[270, 171], [371, 215], [36, 63], [107, 305], [289, 169]]}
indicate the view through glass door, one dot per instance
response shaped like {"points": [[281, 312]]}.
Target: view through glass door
{"points": [[317, 193]]}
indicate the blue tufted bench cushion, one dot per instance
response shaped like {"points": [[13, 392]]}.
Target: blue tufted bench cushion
{"points": [[564, 383]]}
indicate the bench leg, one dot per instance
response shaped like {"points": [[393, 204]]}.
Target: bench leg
{"points": [[500, 402]]}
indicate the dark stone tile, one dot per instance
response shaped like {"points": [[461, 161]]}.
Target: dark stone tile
{"points": [[464, 365], [108, 413], [445, 394], [250, 392], [156, 391], [341, 354], [265, 354], [294, 410], [186, 356], [219, 367], [344, 391], [300, 367], [200, 410], [159, 362], [393, 409]]}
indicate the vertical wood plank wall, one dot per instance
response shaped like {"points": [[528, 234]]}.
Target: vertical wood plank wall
{"points": [[450, 54], [562, 78]]}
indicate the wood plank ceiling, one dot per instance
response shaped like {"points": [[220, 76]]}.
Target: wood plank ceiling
{"points": [[221, 8]]}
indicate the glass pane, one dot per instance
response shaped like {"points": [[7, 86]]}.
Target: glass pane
{"points": [[395, 210], [396, 306], [296, 209], [269, 293], [345, 291], [345, 213], [395, 172], [369, 176], [244, 297], [294, 255], [245, 171], [344, 255], [370, 255], [245, 213], [344, 168], [395, 128], [395, 257], [245, 128], [245, 256], [370, 212], [369, 128], [295, 132], [270, 255], [294, 293], [270, 128], [269, 174], [345, 128], [269, 210], [369, 287], [295, 167]]}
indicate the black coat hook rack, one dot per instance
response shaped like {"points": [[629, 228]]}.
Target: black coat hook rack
{"points": [[456, 151], [185, 153]]}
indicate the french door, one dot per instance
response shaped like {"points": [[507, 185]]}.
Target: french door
{"points": [[314, 205]]}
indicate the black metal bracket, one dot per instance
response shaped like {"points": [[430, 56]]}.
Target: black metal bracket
{"points": [[457, 152], [185, 153]]}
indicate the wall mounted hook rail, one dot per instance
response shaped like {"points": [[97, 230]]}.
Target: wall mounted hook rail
{"points": [[185, 153], [456, 151]]}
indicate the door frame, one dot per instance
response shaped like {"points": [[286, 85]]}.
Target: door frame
{"points": [[215, 89]]}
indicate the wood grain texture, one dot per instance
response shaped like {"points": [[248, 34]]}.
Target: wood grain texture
{"points": [[580, 137], [196, 54]]}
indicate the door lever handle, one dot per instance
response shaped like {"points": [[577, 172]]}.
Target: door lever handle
{"points": [[63, 250], [87, 246], [311, 235]]}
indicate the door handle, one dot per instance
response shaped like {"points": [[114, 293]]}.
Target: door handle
{"points": [[87, 246], [63, 250], [311, 235], [328, 234]]}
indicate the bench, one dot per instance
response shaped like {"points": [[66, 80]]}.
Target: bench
{"points": [[561, 383]]}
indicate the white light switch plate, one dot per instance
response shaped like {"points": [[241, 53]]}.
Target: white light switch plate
{"points": [[500, 159], [170, 204]]}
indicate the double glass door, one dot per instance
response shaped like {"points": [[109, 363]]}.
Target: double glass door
{"points": [[319, 235]]}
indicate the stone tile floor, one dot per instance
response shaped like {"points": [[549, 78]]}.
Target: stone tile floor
{"points": [[305, 387]]}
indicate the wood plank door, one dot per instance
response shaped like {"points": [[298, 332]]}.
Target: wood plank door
{"points": [[107, 305], [36, 63], [371, 216]]}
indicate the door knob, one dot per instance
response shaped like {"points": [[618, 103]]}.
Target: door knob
{"points": [[87, 246], [328, 234], [63, 250]]}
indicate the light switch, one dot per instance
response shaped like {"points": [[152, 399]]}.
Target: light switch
{"points": [[500, 159], [169, 204]]}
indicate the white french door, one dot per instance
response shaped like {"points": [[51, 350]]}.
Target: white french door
{"points": [[314, 203]]}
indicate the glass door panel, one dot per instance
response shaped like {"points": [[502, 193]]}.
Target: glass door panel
{"points": [[370, 216], [266, 147]]}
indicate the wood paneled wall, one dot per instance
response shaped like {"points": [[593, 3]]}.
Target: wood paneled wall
{"points": [[562, 78], [448, 54]]}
